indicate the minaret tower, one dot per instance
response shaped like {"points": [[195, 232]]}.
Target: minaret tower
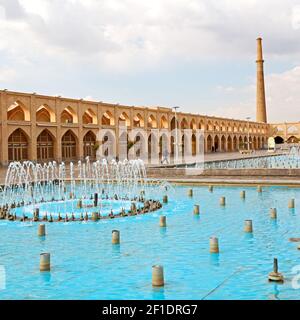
{"points": [[261, 112]]}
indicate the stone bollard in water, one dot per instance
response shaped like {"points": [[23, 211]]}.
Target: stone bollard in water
{"points": [[248, 228], [162, 221], [273, 213], [213, 245], [41, 230], [291, 204], [157, 276], [196, 209], [115, 237], [45, 262], [222, 201]]}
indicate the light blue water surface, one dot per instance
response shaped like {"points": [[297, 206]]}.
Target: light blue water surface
{"points": [[85, 265]]}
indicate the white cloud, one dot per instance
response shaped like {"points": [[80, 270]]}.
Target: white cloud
{"points": [[282, 98], [283, 89], [7, 74], [134, 33], [41, 39]]}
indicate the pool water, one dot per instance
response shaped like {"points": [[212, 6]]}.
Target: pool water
{"points": [[85, 265]]}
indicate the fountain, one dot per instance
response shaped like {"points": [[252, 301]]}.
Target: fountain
{"points": [[290, 160], [97, 189]]}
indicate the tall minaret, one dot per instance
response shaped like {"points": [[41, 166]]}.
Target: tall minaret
{"points": [[261, 112]]}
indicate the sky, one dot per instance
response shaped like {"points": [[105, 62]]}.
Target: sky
{"points": [[196, 54]]}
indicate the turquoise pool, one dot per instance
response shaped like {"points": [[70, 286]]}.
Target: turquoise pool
{"points": [[85, 265]]}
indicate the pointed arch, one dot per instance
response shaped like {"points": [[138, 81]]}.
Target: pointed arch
{"points": [[184, 146], [45, 114], [45, 145], [241, 143], [69, 146], [152, 147], [138, 121], [163, 146], [216, 143], [89, 117], [201, 125], [18, 146], [163, 123], [152, 123], [193, 124], [107, 119], [229, 144], [89, 145], [124, 119], [254, 143], [68, 115], [209, 143], [184, 124], [223, 143], [209, 126], [235, 143], [18, 112]]}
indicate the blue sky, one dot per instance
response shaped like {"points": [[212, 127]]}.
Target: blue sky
{"points": [[198, 54]]}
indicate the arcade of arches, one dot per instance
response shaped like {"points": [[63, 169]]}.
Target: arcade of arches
{"points": [[43, 128]]}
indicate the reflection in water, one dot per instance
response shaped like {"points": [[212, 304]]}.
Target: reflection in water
{"points": [[248, 236], [45, 277], [158, 293], [214, 259]]}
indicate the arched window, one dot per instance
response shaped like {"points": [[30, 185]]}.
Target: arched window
{"points": [[193, 125], [42, 115], [152, 122], [223, 143], [124, 119], [163, 123], [107, 119], [69, 145], [45, 114], [89, 117], [209, 143], [18, 112], [17, 146], [45, 146], [184, 124], [68, 116], [89, 145], [138, 121]]}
